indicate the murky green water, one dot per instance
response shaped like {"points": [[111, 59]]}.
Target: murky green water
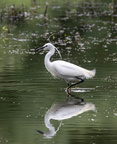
{"points": [[27, 90]]}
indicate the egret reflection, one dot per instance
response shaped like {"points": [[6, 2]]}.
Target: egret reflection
{"points": [[64, 110]]}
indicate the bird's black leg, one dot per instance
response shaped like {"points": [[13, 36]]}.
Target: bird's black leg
{"points": [[69, 87], [68, 90]]}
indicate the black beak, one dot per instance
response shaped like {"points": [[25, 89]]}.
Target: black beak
{"points": [[40, 132], [39, 49]]}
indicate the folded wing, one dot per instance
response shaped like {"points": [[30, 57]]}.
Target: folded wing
{"points": [[70, 70]]}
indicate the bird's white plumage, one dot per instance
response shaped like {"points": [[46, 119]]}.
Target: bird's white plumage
{"points": [[65, 110], [69, 71], [65, 70]]}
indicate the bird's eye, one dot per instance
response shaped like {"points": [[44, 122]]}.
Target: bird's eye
{"points": [[45, 46]]}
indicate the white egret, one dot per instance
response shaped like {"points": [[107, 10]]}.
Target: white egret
{"points": [[62, 111], [65, 70]]}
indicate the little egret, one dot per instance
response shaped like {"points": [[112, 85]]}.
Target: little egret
{"points": [[65, 70], [62, 111]]}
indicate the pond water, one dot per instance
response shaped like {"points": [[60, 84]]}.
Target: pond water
{"points": [[28, 91]]}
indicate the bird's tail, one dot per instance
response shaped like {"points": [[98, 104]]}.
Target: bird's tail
{"points": [[90, 73], [89, 106]]}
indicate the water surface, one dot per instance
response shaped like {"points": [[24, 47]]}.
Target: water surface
{"points": [[27, 90]]}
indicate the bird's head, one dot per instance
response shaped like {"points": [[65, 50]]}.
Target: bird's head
{"points": [[49, 47], [48, 134]]}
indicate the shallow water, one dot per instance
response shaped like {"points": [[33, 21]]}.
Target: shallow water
{"points": [[27, 90]]}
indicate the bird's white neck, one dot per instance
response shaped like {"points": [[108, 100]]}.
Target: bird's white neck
{"points": [[47, 61], [51, 128]]}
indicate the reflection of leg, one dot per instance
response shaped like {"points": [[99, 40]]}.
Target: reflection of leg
{"points": [[68, 90], [75, 97], [69, 87]]}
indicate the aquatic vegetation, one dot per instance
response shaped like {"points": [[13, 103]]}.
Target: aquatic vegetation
{"points": [[77, 25]]}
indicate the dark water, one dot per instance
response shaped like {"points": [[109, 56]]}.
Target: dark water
{"points": [[27, 90]]}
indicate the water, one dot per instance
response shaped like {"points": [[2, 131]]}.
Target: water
{"points": [[27, 90]]}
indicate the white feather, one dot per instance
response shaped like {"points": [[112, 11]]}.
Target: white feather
{"points": [[65, 70]]}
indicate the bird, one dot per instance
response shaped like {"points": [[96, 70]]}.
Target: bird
{"points": [[64, 110], [63, 69]]}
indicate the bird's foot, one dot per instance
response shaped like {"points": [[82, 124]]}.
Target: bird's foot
{"points": [[76, 97], [68, 90], [73, 96]]}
